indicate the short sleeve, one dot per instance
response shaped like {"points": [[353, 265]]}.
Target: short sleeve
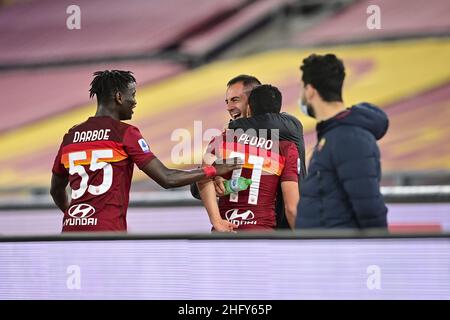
{"points": [[292, 162], [58, 167], [137, 148]]}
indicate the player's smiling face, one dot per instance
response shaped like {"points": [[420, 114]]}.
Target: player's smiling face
{"points": [[128, 102], [237, 101]]}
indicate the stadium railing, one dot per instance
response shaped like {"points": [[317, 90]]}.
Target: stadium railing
{"points": [[182, 198]]}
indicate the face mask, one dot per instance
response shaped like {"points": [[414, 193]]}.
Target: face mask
{"points": [[306, 109], [303, 108]]}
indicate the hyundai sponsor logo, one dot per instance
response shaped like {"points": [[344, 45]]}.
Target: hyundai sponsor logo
{"points": [[81, 210], [239, 218]]}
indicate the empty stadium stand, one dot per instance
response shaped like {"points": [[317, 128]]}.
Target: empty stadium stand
{"points": [[237, 25], [36, 32], [399, 19], [39, 93]]}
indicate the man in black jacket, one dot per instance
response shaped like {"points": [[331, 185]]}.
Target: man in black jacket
{"points": [[342, 188], [290, 129]]}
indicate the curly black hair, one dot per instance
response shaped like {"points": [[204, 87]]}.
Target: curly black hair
{"points": [[326, 74], [106, 83], [265, 99]]}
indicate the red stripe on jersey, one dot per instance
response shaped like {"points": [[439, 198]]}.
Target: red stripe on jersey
{"points": [[273, 161], [119, 153]]}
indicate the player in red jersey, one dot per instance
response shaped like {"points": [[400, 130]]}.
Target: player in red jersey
{"points": [[267, 162], [97, 158]]}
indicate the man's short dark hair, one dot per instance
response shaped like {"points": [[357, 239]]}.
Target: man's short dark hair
{"points": [[326, 74], [265, 99], [108, 82], [249, 82]]}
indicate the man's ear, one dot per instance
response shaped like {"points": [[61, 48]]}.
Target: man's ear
{"points": [[310, 92], [249, 111], [118, 97]]}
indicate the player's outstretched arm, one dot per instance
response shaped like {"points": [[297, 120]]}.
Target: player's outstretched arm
{"points": [[172, 178], [208, 196], [58, 191]]}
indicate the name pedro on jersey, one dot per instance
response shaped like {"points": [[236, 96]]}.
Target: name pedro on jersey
{"points": [[91, 135], [255, 141]]}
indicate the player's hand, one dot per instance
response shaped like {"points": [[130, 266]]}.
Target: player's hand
{"points": [[230, 165], [224, 226], [218, 185]]}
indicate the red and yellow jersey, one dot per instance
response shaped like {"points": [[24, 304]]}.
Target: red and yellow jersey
{"points": [[98, 157], [266, 163]]}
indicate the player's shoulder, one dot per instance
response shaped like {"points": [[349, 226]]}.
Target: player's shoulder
{"points": [[291, 120], [286, 146], [69, 134], [100, 121], [76, 126], [120, 127], [116, 128], [126, 126]]}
